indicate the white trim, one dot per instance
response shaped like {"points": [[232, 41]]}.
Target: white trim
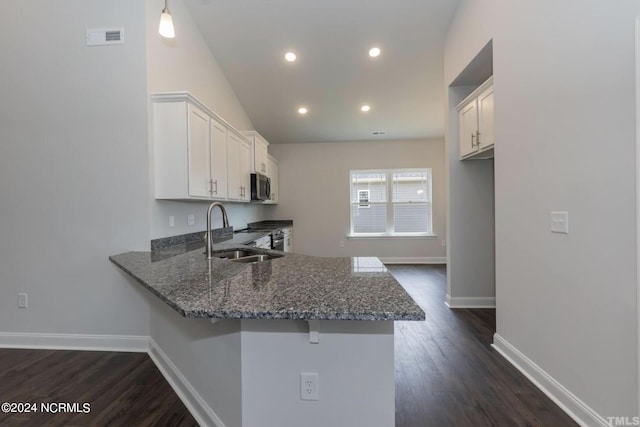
{"points": [[470, 302], [390, 236], [414, 260], [199, 409], [638, 206], [129, 343], [567, 401]]}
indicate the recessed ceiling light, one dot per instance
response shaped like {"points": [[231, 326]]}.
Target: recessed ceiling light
{"points": [[302, 110], [374, 51], [290, 56], [365, 108]]}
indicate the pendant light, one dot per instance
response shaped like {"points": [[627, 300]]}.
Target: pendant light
{"points": [[166, 23]]}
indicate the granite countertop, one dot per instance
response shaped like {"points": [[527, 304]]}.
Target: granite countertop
{"points": [[290, 287]]}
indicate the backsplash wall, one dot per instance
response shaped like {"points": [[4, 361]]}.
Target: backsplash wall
{"points": [[239, 215]]}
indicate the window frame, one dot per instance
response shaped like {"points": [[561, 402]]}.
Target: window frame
{"points": [[390, 203]]}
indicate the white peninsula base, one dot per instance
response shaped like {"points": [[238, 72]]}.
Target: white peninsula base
{"points": [[247, 372]]}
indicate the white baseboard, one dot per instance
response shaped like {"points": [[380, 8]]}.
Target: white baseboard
{"points": [[567, 401], [129, 343], [203, 414], [414, 260], [470, 302]]}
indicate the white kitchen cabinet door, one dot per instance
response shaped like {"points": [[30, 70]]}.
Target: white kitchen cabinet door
{"points": [[245, 169], [233, 167], [273, 176], [198, 153], [239, 167], [218, 160], [259, 152], [485, 119], [468, 117], [261, 156]]}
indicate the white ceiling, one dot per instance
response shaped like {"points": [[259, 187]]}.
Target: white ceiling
{"points": [[334, 74]]}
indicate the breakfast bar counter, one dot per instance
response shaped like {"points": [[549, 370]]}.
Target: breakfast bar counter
{"points": [[292, 286]]}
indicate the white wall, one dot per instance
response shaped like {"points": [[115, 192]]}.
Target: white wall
{"points": [[314, 193], [207, 355], [185, 63], [565, 132], [353, 359], [74, 135]]}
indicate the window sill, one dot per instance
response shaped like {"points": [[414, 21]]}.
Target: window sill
{"points": [[391, 236]]}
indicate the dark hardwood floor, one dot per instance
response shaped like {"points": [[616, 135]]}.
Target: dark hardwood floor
{"points": [[446, 375], [122, 389], [446, 372]]}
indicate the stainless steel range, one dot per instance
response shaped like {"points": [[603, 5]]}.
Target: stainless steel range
{"points": [[277, 236], [277, 240]]}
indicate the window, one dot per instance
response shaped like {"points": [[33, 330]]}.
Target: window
{"points": [[393, 202]]}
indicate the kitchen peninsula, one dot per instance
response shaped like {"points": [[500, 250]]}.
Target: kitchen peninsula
{"points": [[275, 321]]}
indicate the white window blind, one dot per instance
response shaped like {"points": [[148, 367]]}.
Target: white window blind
{"points": [[369, 215], [411, 202], [391, 202]]}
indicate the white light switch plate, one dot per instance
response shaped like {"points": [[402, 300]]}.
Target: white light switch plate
{"points": [[560, 222]]}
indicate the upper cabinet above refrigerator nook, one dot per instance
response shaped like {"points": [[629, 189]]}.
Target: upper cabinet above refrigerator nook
{"points": [[475, 116]]}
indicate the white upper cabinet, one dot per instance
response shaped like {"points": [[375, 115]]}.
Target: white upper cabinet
{"points": [[191, 152], [475, 116], [259, 152]]}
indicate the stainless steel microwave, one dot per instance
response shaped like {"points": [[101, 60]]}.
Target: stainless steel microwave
{"points": [[260, 187]]}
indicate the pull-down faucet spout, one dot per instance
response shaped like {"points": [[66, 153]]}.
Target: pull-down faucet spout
{"points": [[225, 224]]}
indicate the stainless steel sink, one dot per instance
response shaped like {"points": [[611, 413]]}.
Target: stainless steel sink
{"points": [[255, 258], [245, 255]]}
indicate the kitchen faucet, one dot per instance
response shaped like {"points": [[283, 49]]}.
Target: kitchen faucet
{"points": [[225, 224]]}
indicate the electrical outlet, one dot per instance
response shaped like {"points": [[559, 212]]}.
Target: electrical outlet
{"points": [[22, 300], [341, 244], [309, 386], [172, 221], [191, 219]]}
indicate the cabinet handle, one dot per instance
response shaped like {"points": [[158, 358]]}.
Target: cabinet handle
{"points": [[473, 136], [264, 168], [211, 187], [216, 183], [478, 138]]}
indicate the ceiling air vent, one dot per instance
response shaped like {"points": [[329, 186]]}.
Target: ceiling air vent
{"points": [[380, 133], [100, 37]]}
